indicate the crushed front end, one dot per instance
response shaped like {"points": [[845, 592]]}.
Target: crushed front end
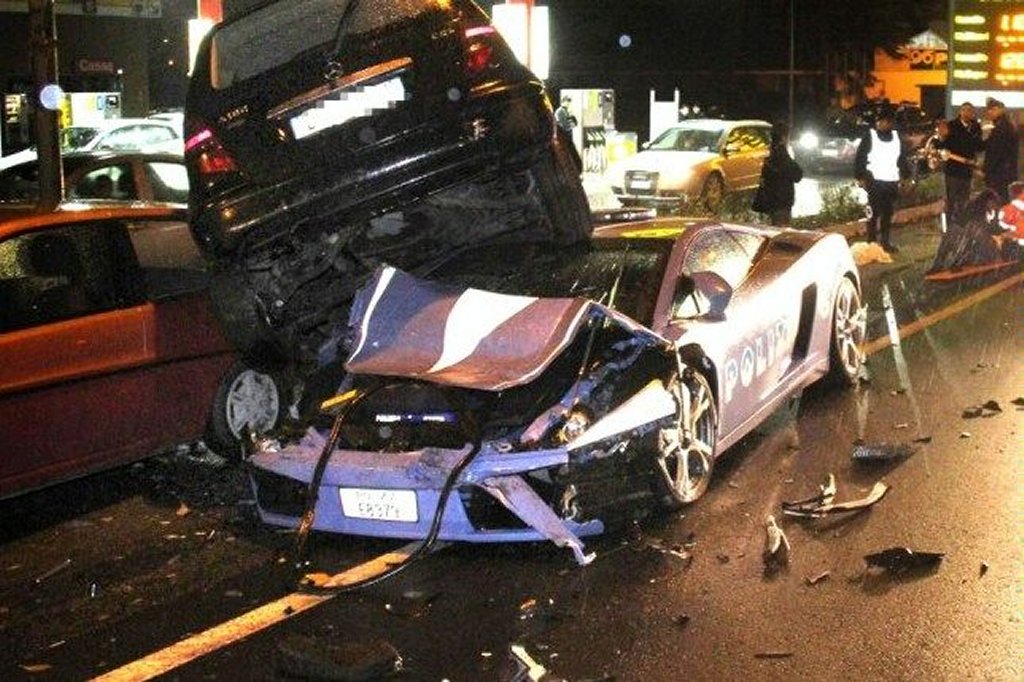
{"points": [[558, 403]]}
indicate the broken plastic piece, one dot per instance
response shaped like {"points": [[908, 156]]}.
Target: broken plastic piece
{"points": [[992, 405], [682, 620], [526, 667], [898, 559], [308, 658], [773, 654], [1019, 402], [882, 452], [824, 504], [777, 544], [923, 439], [815, 579], [984, 569], [53, 571]]}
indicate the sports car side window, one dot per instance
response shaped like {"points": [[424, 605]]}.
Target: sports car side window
{"points": [[64, 273], [730, 254]]}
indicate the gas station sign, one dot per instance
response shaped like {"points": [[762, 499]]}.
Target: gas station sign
{"points": [[987, 47]]}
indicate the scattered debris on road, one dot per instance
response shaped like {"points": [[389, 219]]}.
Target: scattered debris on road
{"points": [[776, 551], [682, 620], [901, 559], [182, 510], [411, 603], [1019, 402], [880, 452], [524, 667], [983, 569], [965, 434], [53, 571], [774, 654], [824, 503], [309, 658], [815, 579], [923, 439]]}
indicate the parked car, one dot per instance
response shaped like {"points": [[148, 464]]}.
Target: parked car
{"points": [[545, 417], [112, 135], [104, 176], [110, 349], [324, 137], [693, 165], [832, 146]]}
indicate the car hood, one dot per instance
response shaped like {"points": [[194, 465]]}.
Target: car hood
{"points": [[464, 337]]}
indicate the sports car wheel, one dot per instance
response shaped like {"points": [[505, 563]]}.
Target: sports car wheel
{"points": [[848, 323], [712, 193], [686, 450], [246, 401]]}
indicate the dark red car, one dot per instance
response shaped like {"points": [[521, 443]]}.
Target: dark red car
{"points": [[110, 349]]}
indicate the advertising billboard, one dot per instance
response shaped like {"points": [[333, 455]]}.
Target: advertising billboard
{"points": [[987, 51]]}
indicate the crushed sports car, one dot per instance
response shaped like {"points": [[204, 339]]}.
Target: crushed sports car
{"points": [[487, 402]]}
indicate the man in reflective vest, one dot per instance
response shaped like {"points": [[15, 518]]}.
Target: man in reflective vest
{"points": [[878, 168]]}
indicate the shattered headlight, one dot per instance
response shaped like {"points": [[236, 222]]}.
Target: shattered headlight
{"points": [[576, 423]]}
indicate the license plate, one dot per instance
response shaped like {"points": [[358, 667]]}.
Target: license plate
{"points": [[831, 153], [640, 184], [379, 505], [341, 107]]}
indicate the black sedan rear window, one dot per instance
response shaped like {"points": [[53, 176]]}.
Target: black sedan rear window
{"points": [[278, 32]]}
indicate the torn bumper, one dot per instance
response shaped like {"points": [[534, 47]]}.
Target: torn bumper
{"points": [[280, 478]]}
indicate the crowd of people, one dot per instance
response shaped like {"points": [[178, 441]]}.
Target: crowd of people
{"points": [[986, 228]]}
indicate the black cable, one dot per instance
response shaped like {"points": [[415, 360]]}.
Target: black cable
{"points": [[312, 494]]}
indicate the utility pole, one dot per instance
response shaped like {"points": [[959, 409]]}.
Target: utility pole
{"points": [[43, 50], [792, 59]]}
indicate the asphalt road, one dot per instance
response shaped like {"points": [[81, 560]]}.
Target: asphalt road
{"points": [[97, 573]]}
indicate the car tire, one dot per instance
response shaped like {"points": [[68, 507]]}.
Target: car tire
{"points": [[247, 401], [712, 193], [561, 191], [683, 470], [845, 356]]}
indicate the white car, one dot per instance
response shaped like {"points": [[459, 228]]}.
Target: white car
{"points": [[116, 134], [693, 164]]}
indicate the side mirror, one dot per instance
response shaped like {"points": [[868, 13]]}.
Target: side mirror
{"points": [[715, 289]]}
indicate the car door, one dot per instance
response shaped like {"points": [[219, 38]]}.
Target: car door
{"points": [[744, 342], [746, 149], [104, 359]]}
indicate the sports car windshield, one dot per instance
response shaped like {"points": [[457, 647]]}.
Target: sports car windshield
{"points": [[624, 274], [687, 140]]}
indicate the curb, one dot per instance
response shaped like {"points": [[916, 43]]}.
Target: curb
{"points": [[903, 216]]}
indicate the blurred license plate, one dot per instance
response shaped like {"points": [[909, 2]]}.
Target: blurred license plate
{"points": [[380, 505], [640, 184], [832, 153], [343, 106]]}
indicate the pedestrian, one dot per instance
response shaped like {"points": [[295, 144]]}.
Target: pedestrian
{"points": [[1000, 166], [958, 150], [563, 117], [776, 193], [879, 166]]}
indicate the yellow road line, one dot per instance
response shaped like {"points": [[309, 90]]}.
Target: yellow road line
{"points": [[954, 308], [219, 636]]}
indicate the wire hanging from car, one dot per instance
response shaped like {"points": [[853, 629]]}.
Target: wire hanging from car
{"points": [[348, 401]]}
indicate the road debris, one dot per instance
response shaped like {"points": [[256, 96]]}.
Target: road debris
{"points": [[308, 658], [901, 559], [776, 550], [36, 667], [965, 434], [815, 579], [182, 510], [989, 408], [824, 502], [774, 654], [681, 620], [53, 571], [923, 439], [901, 425], [411, 604], [983, 569], [881, 452], [525, 668], [1019, 402]]}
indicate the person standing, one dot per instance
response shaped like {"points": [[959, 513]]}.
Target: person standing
{"points": [[878, 168], [778, 176], [1000, 166], [958, 150], [563, 117]]}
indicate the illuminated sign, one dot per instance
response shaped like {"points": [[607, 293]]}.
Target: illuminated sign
{"points": [[987, 47], [146, 9]]}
